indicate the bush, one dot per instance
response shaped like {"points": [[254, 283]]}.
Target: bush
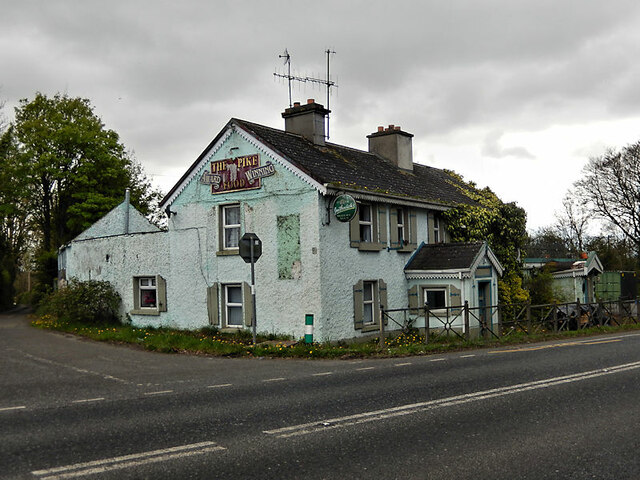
{"points": [[91, 301]]}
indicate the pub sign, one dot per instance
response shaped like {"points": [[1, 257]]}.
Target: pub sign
{"points": [[234, 174]]}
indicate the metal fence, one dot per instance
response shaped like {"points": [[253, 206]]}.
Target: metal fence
{"points": [[498, 321]]}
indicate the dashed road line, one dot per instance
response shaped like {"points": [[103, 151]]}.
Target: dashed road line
{"points": [[466, 356], [376, 415], [321, 374], [162, 392], [221, 385], [403, 364], [8, 409], [126, 461], [364, 368], [279, 379], [88, 400], [437, 360]]}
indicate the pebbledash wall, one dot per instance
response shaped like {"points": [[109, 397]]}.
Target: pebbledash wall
{"points": [[308, 265]]}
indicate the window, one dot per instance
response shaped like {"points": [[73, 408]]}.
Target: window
{"points": [[401, 234], [233, 305], [436, 298], [230, 305], [148, 292], [365, 220], [368, 295], [436, 229], [404, 232], [149, 295], [368, 229], [230, 227]]}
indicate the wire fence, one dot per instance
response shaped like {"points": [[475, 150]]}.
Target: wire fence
{"points": [[498, 321]]}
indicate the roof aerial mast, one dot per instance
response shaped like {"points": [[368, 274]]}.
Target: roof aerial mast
{"points": [[327, 82]]}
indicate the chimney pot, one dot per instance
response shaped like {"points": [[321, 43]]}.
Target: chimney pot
{"points": [[398, 127], [296, 104], [391, 127], [381, 129], [310, 101]]}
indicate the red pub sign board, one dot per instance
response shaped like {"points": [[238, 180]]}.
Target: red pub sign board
{"points": [[233, 174]]}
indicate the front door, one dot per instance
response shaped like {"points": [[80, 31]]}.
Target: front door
{"points": [[484, 302]]}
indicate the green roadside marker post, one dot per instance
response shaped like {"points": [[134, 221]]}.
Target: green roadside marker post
{"points": [[308, 328]]}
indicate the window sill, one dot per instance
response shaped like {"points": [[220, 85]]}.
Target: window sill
{"points": [[231, 329], [145, 311], [373, 327], [369, 247], [223, 253]]}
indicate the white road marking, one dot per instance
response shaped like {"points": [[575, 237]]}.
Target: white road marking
{"points": [[466, 356], [321, 374], [402, 364], [364, 368], [7, 409], [279, 379], [86, 400], [75, 369], [375, 415], [126, 461], [438, 360], [220, 385], [162, 392]]}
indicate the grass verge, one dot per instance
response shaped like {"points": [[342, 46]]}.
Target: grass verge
{"points": [[212, 342]]}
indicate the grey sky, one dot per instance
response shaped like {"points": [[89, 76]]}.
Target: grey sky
{"points": [[511, 94]]}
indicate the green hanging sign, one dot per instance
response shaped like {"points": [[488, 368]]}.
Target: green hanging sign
{"points": [[345, 208]]}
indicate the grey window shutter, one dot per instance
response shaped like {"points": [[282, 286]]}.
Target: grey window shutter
{"points": [[382, 224], [393, 228], [414, 299], [161, 285], [354, 230], [430, 222], [358, 305], [382, 296], [213, 304], [413, 229], [247, 304], [136, 293]]}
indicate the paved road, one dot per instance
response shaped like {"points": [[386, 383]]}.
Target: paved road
{"points": [[71, 408]]}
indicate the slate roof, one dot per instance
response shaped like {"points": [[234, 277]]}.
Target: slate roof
{"points": [[444, 256], [346, 167]]}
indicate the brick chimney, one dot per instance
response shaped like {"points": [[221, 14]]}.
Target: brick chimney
{"points": [[306, 120], [393, 145]]}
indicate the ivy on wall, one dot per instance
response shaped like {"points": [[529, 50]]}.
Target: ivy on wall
{"points": [[502, 225]]}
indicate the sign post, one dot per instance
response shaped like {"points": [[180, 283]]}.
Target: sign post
{"points": [[250, 249]]}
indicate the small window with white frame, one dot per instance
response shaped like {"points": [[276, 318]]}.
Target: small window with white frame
{"points": [[233, 306], [437, 230], [365, 219], [435, 298], [368, 303], [148, 292], [230, 226], [402, 236]]}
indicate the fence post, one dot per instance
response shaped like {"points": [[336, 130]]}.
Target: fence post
{"points": [[529, 318], [426, 322], [578, 314], [466, 320], [381, 339], [555, 317], [499, 311], [637, 312]]}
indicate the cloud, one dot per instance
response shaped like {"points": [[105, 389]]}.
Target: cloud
{"points": [[491, 148]]}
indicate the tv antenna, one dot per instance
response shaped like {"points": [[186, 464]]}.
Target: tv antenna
{"points": [[326, 82]]}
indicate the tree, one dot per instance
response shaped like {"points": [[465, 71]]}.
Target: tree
{"points": [[502, 225], [546, 243], [572, 224], [75, 170], [610, 190]]}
